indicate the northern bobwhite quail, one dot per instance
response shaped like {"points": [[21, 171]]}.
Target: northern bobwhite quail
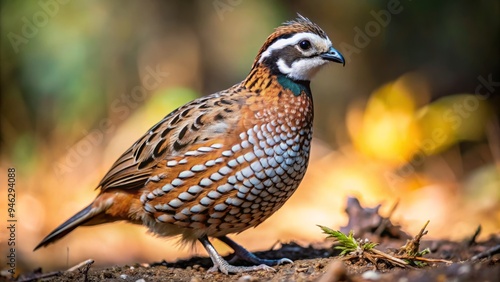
{"points": [[225, 162]]}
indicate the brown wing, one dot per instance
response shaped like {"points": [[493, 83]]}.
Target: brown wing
{"points": [[206, 118]]}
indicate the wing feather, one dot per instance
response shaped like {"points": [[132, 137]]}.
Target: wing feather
{"points": [[195, 123]]}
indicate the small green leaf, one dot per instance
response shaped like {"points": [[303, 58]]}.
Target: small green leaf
{"points": [[347, 243], [423, 252], [368, 246]]}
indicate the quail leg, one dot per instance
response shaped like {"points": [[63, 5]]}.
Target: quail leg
{"points": [[245, 255], [223, 265]]}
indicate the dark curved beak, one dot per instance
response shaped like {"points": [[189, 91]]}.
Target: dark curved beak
{"points": [[334, 56]]}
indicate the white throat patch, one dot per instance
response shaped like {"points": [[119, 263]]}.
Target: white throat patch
{"points": [[302, 69]]}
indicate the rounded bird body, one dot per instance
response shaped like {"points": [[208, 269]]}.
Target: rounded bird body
{"points": [[225, 162], [237, 178]]}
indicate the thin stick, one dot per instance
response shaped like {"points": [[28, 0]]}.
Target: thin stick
{"points": [[86, 263], [397, 261], [487, 253], [275, 244], [386, 220], [426, 259], [472, 240], [371, 259], [40, 276], [80, 265]]}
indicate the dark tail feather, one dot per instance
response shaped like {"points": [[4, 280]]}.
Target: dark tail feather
{"points": [[78, 219]]}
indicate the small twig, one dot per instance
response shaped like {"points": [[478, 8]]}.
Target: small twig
{"points": [[85, 271], [491, 251], [348, 257], [370, 258], [412, 246], [385, 221], [40, 276], [81, 265], [395, 260], [422, 232], [472, 240], [425, 259], [86, 263], [274, 245]]}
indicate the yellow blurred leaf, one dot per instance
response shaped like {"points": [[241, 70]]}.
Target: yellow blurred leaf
{"points": [[387, 129], [451, 119]]}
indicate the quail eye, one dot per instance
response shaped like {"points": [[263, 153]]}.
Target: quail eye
{"points": [[305, 44]]}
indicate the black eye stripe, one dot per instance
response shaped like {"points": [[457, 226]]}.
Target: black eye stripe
{"points": [[289, 54]]}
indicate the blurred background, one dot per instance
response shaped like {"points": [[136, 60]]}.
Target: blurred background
{"points": [[413, 116]]}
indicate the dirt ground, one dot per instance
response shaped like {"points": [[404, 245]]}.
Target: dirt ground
{"points": [[468, 260], [311, 263]]}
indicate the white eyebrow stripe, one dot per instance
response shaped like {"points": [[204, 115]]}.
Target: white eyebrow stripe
{"points": [[281, 43]]}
